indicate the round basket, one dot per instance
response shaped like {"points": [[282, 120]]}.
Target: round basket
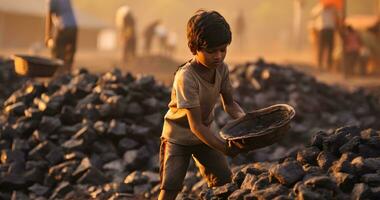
{"points": [[259, 128]]}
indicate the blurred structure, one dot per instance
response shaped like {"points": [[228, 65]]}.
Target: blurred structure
{"points": [[17, 17], [61, 31], [126, 28], [149, 34]]}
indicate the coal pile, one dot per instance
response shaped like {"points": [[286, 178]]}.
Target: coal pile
{"points": [[82, 136], [86, 136], [318, 106], [9, 81], [342, 164]]}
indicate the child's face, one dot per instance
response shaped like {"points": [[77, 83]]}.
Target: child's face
{"points": [[212, 57]]}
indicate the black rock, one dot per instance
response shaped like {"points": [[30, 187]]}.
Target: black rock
{"points": [[92, 176], [117, 128], [325, 160], [34, 175], [287, 173], [136, 178], [41, 150], [238, 178], [263, 181], [61, 190], [38, 189], [344, 181], [351, 146], [49, 124], [308, 155], [84, 165], [361, 191], [371, 179], [249, 181], [18, 195], [321, 182], [69, 115], [9, 182], [55, 156], [271, 192], [225, 190], [238, 194], [127, 144], [343, 164], [16, 109]]}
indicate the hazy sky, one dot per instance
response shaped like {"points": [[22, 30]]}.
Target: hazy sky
{"points": [[269, 22]]}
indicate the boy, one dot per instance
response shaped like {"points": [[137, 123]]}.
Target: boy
{"points": [[196, 88]]}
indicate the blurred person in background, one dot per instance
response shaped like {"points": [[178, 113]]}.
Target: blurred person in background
{"points": [[326, 22], [351, 51], [371, 41], [161, 33], [126, 28], [149, 34], [240, 27], [61, 32], [171, 43]]}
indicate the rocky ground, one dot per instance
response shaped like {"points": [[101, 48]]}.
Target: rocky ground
{"points": [[86, 135]]}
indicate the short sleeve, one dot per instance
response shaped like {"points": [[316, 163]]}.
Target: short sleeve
{"points": [[225, 83], [186, 89]]}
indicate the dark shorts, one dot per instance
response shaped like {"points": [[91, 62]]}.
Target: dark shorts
{"points": [[175, 158]]}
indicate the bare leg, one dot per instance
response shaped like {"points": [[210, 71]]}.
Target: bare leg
{"points": [[167, 195]]}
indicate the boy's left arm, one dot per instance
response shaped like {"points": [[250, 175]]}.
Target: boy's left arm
{"points": [[230, 106]]}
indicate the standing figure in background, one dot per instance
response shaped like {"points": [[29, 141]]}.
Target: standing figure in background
{"points": [[125, 24], [351, 51], [162, 34], [299, 6], [240, 29], [326, 22], [61, 32], [149, 33]]}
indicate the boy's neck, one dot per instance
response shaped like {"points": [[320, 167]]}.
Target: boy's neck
{"points": [[203, 68]]}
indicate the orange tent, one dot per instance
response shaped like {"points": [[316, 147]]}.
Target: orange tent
{"points": [[337, 3]]}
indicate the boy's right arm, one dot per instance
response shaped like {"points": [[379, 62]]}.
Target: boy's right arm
{"points": [[203, 132], [206, 135]]}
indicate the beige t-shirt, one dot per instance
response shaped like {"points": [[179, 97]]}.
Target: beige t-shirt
{"points": [[189, 91]]}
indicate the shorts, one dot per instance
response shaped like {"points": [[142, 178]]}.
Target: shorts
{"points": [[175, 158]]}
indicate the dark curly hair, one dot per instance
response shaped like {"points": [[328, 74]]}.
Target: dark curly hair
{"points": [[207, 29]]}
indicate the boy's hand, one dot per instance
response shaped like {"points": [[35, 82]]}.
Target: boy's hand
{"points": [[233, 148]]}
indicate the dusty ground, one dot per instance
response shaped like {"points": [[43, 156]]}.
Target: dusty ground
{"points": [[163, 68]]}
